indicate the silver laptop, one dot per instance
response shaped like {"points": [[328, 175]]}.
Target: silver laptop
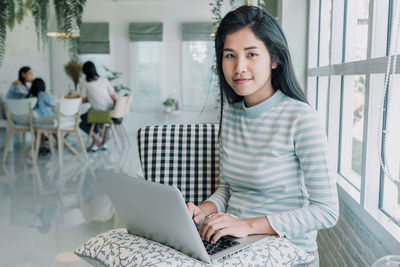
{"points": [[158, 212]]}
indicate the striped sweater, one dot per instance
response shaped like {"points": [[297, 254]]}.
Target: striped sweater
{"points": [[274, 163]]}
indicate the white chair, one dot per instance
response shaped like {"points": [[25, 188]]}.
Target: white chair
{"points": [[122, 107], [66, 121], [19, 118]]}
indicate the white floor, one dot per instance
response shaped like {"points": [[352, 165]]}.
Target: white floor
{"points": [[48, 210]]}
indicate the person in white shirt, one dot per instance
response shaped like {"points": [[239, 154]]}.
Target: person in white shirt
{"points": [[99, 92]]}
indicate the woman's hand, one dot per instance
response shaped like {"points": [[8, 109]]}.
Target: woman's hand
{"points": [[221, 224], [196, 212]]}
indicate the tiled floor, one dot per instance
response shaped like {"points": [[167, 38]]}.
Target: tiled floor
{"points": [[48, 210]]}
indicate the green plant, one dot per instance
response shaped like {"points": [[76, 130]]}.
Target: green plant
{"points": [[169, 102], [10, 12], [114, 75], [216, 11], [68, 14]]}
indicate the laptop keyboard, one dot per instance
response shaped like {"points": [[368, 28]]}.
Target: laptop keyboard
{"points": [[222, 243]]}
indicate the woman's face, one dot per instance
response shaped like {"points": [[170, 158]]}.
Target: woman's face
{"points": [[28, 76], [247, 66]]}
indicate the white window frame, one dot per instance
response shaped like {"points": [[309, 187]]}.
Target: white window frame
{"points": [[365, 202]]}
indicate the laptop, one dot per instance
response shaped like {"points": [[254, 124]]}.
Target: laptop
{"points": [[158, 212]]}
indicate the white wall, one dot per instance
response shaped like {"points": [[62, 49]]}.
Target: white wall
{"points": [[21, 45], [294, 19]]}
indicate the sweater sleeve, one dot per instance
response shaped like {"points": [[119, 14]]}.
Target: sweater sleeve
{"points": [[322, 209], [221, 195]]}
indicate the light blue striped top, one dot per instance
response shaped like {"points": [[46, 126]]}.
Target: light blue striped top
{"points": [[274, 163]]}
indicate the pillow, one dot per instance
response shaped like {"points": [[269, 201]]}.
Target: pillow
{"points": [[118, 248]]}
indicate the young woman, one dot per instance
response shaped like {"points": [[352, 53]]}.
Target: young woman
{"points": [[45, 101], [100, 94], [19, 88], [274, 176]]}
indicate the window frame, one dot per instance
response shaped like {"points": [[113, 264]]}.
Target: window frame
{"points": [[366, 201]]}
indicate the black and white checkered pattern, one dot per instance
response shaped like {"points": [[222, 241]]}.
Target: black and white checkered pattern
{"points": [[184, 156]]}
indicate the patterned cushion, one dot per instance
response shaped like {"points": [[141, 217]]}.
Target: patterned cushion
{"points": [[185, 156], [118, 248]]}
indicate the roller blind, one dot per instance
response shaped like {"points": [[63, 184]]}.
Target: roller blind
{"points": [[147, 31], [197, 31], [94, 38]]}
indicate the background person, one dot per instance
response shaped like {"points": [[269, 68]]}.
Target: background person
{"points": [[99, 92], [19, 88], [45, 103]]}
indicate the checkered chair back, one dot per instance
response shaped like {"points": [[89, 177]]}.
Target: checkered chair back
{"points": [[184, 156]]}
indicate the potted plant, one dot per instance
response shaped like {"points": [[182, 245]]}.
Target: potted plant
{"points": [[169, 104], [73, 70]]}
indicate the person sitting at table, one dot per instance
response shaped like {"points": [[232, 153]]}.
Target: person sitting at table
{"points": [[19, 88], [99, 92], [45, 104], [44, 107], [275, 176]]}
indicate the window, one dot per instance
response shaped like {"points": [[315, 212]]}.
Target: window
{"points": [[146, 69], [356, 30], [199, 82], [346, 80], [352, 118], [197, 76], [146, 61]]}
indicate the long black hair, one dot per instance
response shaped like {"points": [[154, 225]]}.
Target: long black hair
{"points": [[21, 71], [89, 69], [266, 28], [37, 86]]}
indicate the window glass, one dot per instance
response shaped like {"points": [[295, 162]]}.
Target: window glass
{"points": [[357, 30], [146, 60], [352, 128], [198, 81], [390, 193]]}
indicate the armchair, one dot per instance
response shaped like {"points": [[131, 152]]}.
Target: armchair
{"points": [[187, 157], [184, 156]]}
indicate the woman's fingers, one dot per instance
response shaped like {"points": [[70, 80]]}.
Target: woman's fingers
{"points": [[195, 212], [220, 225], [191, 208], [212, 225]]}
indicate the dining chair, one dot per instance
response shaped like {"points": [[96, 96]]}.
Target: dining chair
{"points": [[112, 118], [184, 156], [19, 119], [66, 121], [122, 108]]}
